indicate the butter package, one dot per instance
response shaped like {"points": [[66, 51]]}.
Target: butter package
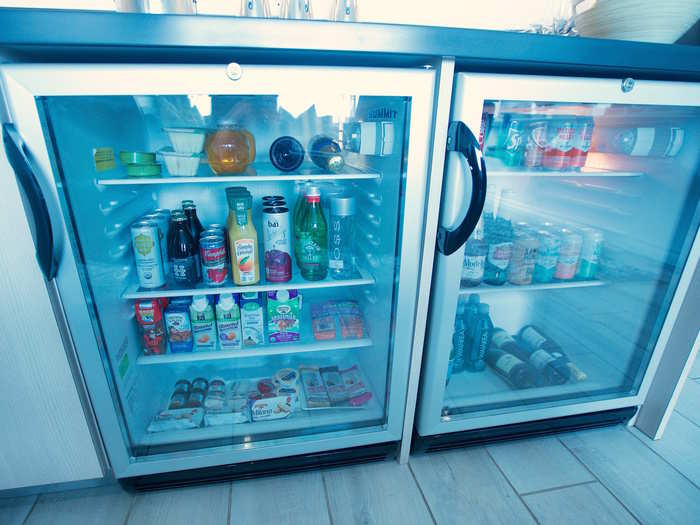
{"points": [[314, 389], [283, 315]]}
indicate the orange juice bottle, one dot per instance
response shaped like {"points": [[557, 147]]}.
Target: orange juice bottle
{"points": [[243, 240]]}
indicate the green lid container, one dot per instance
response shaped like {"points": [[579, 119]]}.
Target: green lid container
{"points": [[143, 170], [137, 157]]}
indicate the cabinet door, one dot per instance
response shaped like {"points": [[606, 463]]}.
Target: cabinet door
{"points": [[44, 433]]}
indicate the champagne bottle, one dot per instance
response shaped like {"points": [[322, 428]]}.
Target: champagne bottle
{"points": [[513, 370], [546, 355]]}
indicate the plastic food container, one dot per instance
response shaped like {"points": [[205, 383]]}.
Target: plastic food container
{"points": [[186, 140], [180, 164], [137, 157], [143, 170]]}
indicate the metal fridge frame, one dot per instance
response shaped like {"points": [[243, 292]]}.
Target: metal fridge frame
{"points": [[23, 83], [471, 90]]}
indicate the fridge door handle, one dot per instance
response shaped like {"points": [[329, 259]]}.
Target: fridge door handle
{"points": [[461, 140], [40, 220]]}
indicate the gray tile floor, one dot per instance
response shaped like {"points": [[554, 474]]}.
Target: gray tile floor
{"points": [[609, 475]]}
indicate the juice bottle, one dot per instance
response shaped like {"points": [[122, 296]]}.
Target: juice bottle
{"points": [[243, 239]]}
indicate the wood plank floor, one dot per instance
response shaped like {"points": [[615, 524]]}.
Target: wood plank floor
{"points": [[611, 475]]}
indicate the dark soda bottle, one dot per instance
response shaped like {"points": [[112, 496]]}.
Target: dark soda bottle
{"points": [[286, 154], [547, 356], [513, 370], [196, 230], [181, 251]]}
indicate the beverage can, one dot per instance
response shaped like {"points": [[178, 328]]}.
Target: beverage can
{"points": [[212, 250], [547, 255], [277, 244], [514, 143], [148, 256], [560, 140], [569, 252], [486, 122], [591, 250], [163, 221], [582, 142], [535, 143], [523, 257]]}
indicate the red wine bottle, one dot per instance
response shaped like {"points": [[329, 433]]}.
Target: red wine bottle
{"points": [[547, 356], [513, 370]]}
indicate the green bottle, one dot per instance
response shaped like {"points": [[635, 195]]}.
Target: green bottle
{"points": [[312, 240]]}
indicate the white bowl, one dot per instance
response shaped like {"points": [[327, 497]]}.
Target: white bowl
{"points": [[180, 164], [187, 140]]}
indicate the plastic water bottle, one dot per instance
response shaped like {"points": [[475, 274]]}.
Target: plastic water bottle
{"points": [[341, 259], [480, 339]]}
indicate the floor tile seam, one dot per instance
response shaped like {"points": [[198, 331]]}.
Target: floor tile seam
{"points": [[559, 487], [328, 499], [420, 489], [26, 518]]}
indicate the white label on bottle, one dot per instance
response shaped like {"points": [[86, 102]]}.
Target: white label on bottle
{"points": [[500, 338], [547, 261], [644, 142], [499, 254], [675, 142], [335, 264], [531, 338], [506, 363], [473, 269], [540, 358]]}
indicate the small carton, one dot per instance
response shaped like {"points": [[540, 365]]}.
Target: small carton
{"points": [[283, 315], [252, 319]]}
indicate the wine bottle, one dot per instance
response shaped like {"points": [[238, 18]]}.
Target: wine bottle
{"points": [[513, 370], [545, 354]]}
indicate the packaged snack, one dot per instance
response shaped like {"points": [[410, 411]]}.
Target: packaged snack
{"points": [[292, 393], [215, 400], [200, 384], [183, 385], [334, 384], [177, 400], [234, 408], [252, 319], [217, 385], [266, 386], [268, 408], [176, 420], [287, 378], [195, 399], [283, 315], [356, 388], [314, 389], [322, 321], [350, 319]]}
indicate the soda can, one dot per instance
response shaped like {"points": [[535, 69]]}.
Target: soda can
{"points": [[581, 143], [278, 249], [523, 257], [547, 256], [271, 200], [163, 222], [535, 143], [560, 140], [513, 145], [212, 253], [569, 253], [590, 253], [145, 241]]}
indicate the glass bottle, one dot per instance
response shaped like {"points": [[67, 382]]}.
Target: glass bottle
{"points": [[196, 230], [286, 153], [341, 259], [181, 251], [243, 239], [230, 149], [474, 257], [498, 230], [326, 153], [313, 238]]}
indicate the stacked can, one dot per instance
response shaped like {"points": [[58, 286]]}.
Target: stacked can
{"points": [[569, 253], [145, 240], [523, 256], [590, 253], [212, 252], [161, 217], [547, 256]]}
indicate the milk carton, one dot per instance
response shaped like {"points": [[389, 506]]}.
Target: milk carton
{"points": [[203, 324], [252, 319], [228, 322], [283, 313]]}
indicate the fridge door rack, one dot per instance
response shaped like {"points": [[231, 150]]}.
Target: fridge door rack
{"points": [[297, 283], [254, 173], [506, 288]]}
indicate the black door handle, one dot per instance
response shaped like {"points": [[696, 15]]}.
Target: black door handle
{"points": [[42, 230], [462, 140]]}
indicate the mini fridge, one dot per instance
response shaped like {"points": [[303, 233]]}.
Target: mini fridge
{"points": [[568, 236], [195, 370]]}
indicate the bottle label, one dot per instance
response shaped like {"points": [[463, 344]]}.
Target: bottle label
{"points": [[500, 338], [245, 259], [546, 261], [506, 363], [531, 338], [310, 250], [473, 269], [499, 254], [540, 358], [184, 270]]}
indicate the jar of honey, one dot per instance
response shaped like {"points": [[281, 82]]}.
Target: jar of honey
{"points": [[230, 149]]}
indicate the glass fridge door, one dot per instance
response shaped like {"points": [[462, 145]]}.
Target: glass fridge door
{"points": [[555, 304], [243, 254]]}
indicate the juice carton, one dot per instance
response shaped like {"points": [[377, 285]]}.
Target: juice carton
{"points": [[283, 315], [178, 326], [228, 322], [203, 324], [252, 319]]}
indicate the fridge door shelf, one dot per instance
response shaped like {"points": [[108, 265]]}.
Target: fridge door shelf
{"points": [[297, 282], [306, 344], [332, 418], [498, 169], [255, 173], [484, 289]]}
